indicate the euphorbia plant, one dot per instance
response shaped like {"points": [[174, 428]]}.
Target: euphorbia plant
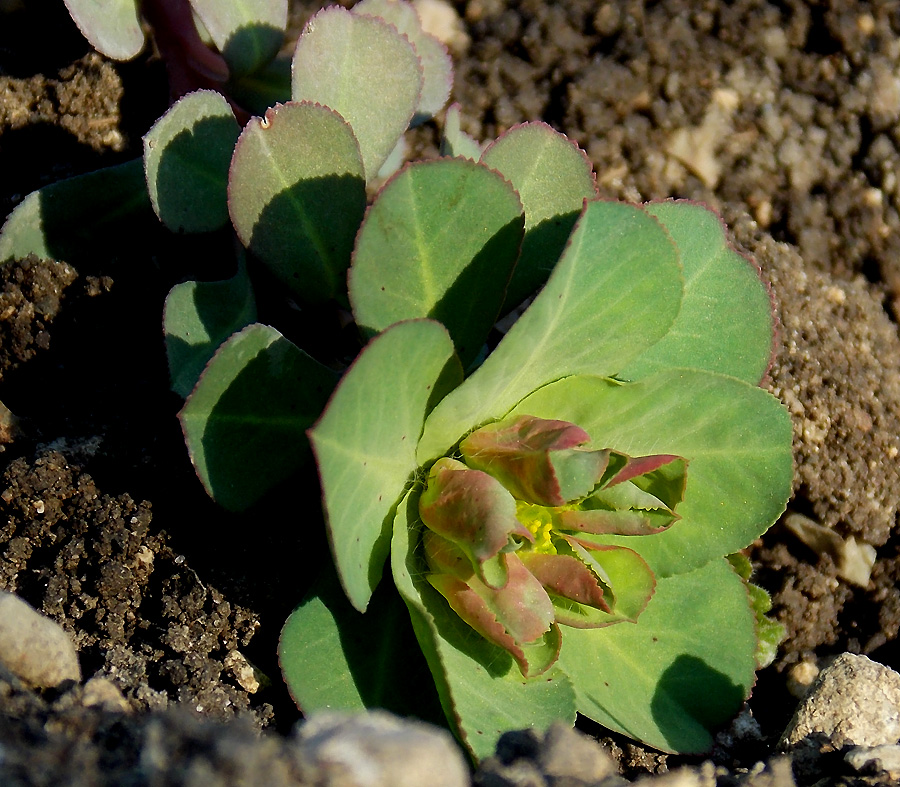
{"points": [[557, 523]]}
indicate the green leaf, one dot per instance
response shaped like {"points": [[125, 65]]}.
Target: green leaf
{"points": [[365, 443], [364, 69], [296, 195], [480, 686], [726, 320], [615, 292], [245, 422], [187, 153], [454, 141], [70, 220], [264, 88], [439, 241], [437, 67], [333, 657], [553, 177], [684, 669], [112, 27], [198, 317], [735, 437], [248, 33]]}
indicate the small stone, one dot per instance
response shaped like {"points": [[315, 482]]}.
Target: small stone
{"points": [[854, 701], [100, 692], [569, 754], [378, 749], [878, 759], [34, 648]]}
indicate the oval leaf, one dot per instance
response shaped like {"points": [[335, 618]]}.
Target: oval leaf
{"points": [[736, 439], [248, 33], [113, 27], [245, 422], [186, 157], [437, 66], [553, 177], [726, 320], [455, 141], [670, 679], [198, 317], [296, 195], [364, 69], [615, 292], [68, 220], [365, 443], [439, 241]]}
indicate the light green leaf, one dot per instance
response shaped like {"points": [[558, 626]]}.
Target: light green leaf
{"points": [[440, 240], [245, 422], [364, 69], [68, 220], [297, 196], [481, 689], [112, 27], [437, 67], [187, 153], [615, 292], [198, 317], [553, 177], [365, 443], [726, 322], [736, 439], [333, 657], [684, 669], [248, 33], [455, 141]]}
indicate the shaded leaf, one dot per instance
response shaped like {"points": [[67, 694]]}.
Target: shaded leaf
{"points": [[364, 69], [296, 195], [245, 422], [264, 88], [735, 436], [248, 33], [365, 443], [333, 657], [187, 153], [198, 317], [726, 320], [68, 220], [113, 27], [553, 177], [670, 679], [480, 686], [615, 292], [439, 241]]}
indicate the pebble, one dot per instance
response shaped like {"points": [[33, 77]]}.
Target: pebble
{"points": [[34, 648], [377, 749], [878, 759], [854, 701]]}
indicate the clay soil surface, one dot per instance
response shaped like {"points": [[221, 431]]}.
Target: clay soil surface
{"points": [[783, 116]]}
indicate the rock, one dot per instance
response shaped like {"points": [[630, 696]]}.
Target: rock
{"points": [[101, 692], [704, 776], [567, 754], [854, 701], [34, 648], [378, 749], [877, 759]]}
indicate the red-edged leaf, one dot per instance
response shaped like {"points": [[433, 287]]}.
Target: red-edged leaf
{"points": [[661, 475], [537, 459], [474, 511], [518, 618], [566, 576], [630, 584], [601, 521]]}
